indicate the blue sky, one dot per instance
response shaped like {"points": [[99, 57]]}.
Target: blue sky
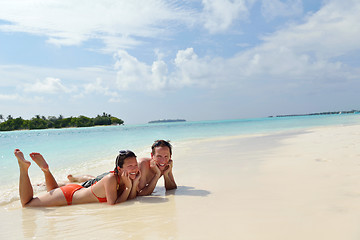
{"points": [[143, 60]]}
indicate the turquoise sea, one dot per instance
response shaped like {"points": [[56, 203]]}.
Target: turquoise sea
{"points": [[84, 150]]}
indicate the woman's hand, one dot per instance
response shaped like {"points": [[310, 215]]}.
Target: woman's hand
{"points": [[126, 179], [137, 179]]}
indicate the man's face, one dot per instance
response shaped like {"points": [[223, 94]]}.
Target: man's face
{"points": [[162, 157], [131, 167]]}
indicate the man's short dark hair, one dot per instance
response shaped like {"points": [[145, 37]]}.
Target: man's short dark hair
{"points": [[161, 143]]}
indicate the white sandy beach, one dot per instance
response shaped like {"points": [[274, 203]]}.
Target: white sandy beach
{"points": [[289, 185]]}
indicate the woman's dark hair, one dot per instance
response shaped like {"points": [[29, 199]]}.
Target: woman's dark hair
{"points": [[123, 154]]}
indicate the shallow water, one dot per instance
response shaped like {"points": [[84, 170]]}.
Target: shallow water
{"points": [[91, 150]]}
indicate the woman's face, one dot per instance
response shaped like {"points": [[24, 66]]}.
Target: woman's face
{"points": [[131, 167]]}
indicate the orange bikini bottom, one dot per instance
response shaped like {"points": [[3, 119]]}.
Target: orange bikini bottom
{"points": [[69, 190]]}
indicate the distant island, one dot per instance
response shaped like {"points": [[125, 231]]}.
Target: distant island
{"points": [[41, 122], [167, 120], [320, 113]]}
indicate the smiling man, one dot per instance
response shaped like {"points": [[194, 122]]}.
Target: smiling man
{"points": [[160, 164]]}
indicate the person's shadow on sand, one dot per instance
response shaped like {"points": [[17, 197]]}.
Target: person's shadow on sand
{"points": [[152, 199], [188, 191], [180, 191]]}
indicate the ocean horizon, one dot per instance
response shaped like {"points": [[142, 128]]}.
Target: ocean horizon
{"points": [[88, 150]]}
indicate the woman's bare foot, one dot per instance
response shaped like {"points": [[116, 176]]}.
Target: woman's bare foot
{"points": [[40, 161], [21, 160]]}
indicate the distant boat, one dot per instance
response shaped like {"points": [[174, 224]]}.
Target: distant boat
{"points": [[167, 120]]}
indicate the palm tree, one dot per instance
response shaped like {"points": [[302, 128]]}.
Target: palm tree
{"points": [[1, 117]]}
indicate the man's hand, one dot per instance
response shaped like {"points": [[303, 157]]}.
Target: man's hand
{"points": [[169, 167], [154, 167], [169, 177]]}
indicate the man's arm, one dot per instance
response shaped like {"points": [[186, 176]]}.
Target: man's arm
{"points": [[169, 177], [149, 188]]}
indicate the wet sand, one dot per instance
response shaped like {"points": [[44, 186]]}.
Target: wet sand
{"points": [[288, 185]]}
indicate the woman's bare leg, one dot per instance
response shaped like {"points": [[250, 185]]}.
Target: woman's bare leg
{"points": [[50, 181], [25, 189]]}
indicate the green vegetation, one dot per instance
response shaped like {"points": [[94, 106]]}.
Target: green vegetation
{"points": [[320, 113], [41, 122]]}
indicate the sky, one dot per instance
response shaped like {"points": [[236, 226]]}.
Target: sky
{"points": [[144, 60]]}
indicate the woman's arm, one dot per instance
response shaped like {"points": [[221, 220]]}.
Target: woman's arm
{"points": [[110, 184], [128, 184], [134, 187]]}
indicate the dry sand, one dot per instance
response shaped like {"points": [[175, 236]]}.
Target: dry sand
{"points": [[289, 185]]}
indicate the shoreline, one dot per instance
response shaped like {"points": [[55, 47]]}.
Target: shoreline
{"points": [[105, 163], [299, 184]]}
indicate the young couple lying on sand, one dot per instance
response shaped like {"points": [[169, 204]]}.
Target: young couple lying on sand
{"points": [[128, 180]]}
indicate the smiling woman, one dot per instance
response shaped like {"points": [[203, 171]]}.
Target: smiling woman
{"points": [[113, 188]]}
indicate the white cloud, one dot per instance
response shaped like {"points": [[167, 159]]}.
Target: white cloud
{"points": [[49, 85], [193, 71], [184, 56], [20, 98], [297, 56], [81, 82], [276, 8], [220, 14], [326, 34], [8, 97], [294, 57], [305, 55], [189, 71], [302, 55], [16, 75], [112, 43], [135, 75], [116, 23], [159, 78], [97, 87]]}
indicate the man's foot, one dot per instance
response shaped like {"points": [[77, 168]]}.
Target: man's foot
{"points": [[79, 178], [71, 178], [40, 161], [21, 160]]}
